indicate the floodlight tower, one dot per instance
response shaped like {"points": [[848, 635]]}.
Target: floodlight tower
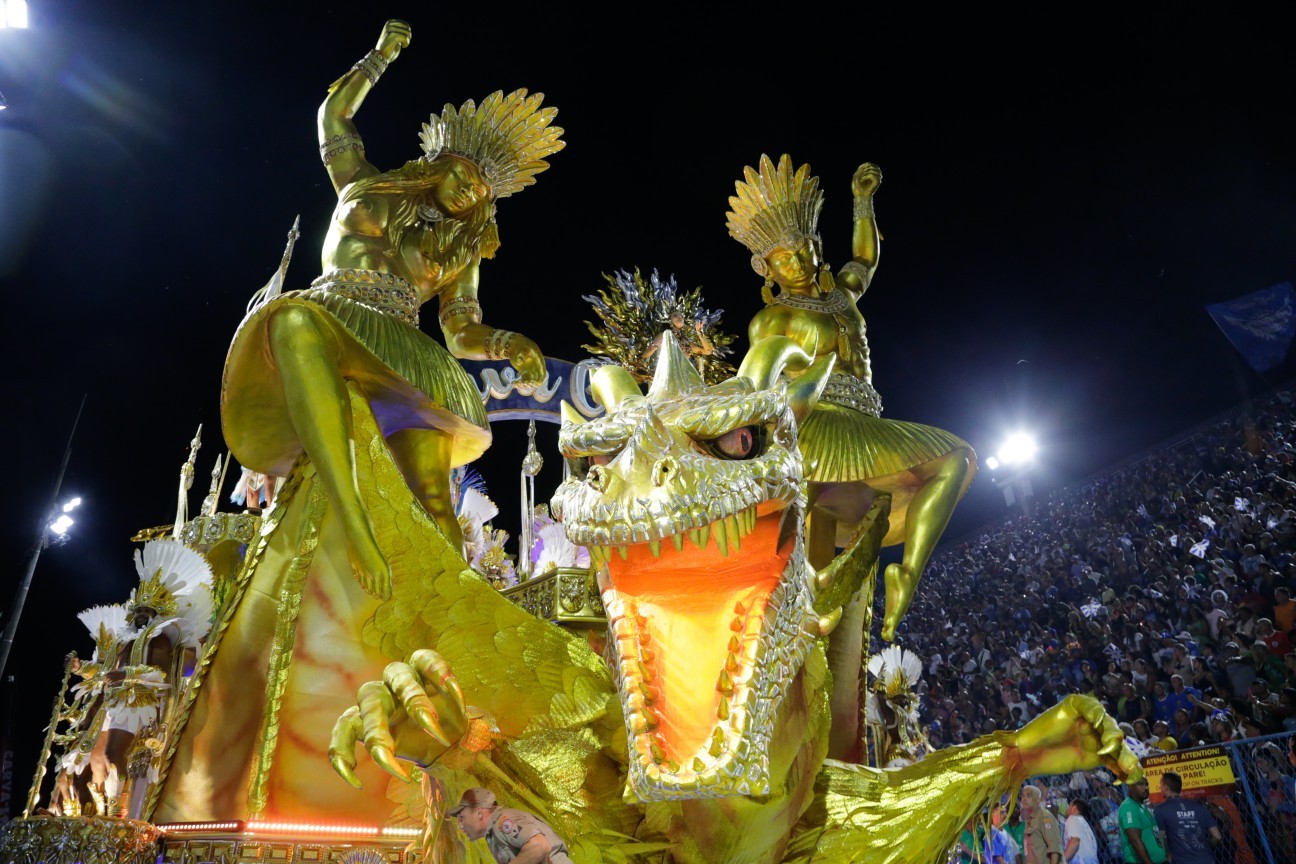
{"points": [[54, 525], [1010, 470], [13, 15]]}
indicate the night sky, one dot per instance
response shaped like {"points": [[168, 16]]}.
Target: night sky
{"points": [[1062, 197]]}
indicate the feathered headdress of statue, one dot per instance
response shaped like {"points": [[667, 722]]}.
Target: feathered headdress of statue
{"points": [[174, 581], [774, 207], [506, 137]]}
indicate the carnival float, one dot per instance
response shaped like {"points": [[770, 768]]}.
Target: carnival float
{"points": [[673, 665]]}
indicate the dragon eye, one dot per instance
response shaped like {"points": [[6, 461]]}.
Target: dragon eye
{"points": [[741, 443], [579, 466]]}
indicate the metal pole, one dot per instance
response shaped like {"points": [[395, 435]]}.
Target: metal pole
{"points": [[34, 795], [1240, 771], [20, 596]]}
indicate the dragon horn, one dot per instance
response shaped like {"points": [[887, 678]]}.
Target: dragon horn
{"points": [[612, 385], [767, 359], [570, 415], [674, 374], [803, 393]]}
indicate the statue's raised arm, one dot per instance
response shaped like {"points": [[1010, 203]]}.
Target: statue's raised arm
{"points": [[341, 146], [866, 242]]}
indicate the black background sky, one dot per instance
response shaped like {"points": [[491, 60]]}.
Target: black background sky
{"points": [[1064, 192]]}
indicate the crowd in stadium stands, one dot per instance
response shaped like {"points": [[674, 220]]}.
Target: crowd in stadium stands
{"points": [[1164, 588]]}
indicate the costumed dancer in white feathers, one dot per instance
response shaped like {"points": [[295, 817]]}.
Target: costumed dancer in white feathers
{"points": [[891, 709], [552, 550], [110, 628], [483, 543], [168, 612]]}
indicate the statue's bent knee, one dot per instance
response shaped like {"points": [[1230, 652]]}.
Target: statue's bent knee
{"points": [[294, 327]]}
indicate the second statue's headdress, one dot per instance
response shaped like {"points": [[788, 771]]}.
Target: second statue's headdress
{"points": [[775, 207], [507, 137]]}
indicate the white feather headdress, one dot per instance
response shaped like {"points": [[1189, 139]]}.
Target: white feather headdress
{"points": [[175, 582], [896, 670], [475, 511], [109, 627], [557, 551]]}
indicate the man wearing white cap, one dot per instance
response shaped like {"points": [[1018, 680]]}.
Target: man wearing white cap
{"points": [[514, 836]]}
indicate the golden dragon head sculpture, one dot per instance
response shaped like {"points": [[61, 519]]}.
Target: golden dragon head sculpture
{"points": [[690, 499]]}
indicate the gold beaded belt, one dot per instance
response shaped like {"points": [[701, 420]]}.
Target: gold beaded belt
{"points": [[851, 392], [385, 293]]}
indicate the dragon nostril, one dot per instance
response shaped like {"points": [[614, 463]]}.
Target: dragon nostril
{"points": [[595, 478], [663, 469]]}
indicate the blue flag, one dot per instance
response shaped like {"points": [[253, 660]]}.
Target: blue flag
{"points": [[1260, 324]]}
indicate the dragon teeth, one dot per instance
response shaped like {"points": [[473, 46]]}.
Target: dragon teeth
{"points": [[728, 532], [732, 529], [699, 536]]}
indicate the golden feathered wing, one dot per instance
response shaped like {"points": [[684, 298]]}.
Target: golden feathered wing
{"points": [[551, 697], [530, 675]]}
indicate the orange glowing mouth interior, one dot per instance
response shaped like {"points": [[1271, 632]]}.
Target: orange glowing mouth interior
{"points": [[693, 604]]}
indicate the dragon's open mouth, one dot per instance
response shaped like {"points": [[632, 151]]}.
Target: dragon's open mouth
{"points": [[689, 499], [690, 630]]}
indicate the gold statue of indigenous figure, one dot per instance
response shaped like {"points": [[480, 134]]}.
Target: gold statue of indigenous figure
{"points": [[321, 382], [851, 452]]}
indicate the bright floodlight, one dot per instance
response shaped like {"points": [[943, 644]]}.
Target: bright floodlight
{"points": [[61, 525], [72, 505], [15, 14], [1019, 448], [992, 463]]}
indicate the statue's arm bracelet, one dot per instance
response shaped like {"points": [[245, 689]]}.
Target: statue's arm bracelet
{"points": [[372, 65], [457, 307], [497, 344], [862, 273], [336, 145], [864, 207]]}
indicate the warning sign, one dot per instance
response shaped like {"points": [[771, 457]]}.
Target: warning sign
{"points": [[1204, 772]]}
